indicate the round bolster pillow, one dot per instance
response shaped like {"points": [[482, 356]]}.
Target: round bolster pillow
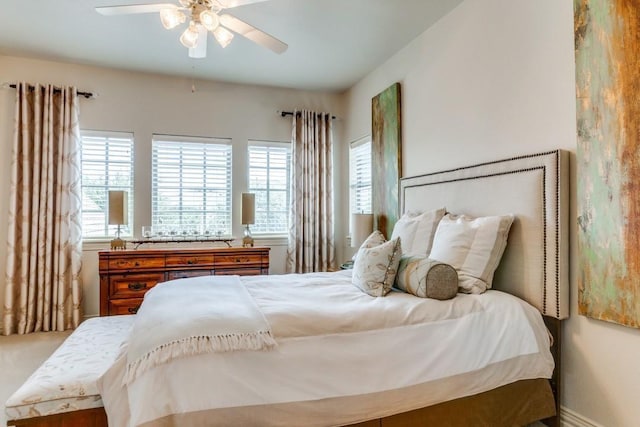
{"points": [[427, 278]]}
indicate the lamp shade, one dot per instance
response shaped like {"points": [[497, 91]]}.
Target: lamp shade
{"points": [[118, 208], [248, 208], [361, 227]]}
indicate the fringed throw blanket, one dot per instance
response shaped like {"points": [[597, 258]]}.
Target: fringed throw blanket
{"points": [[193, 316]]}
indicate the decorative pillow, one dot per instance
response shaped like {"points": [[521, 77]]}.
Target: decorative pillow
{"points": [[416, 231], [376, 238], [374, 270], [427, 278], [473, 246]]}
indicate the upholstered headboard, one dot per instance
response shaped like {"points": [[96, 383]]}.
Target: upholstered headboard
{"points": [[535, 265]]}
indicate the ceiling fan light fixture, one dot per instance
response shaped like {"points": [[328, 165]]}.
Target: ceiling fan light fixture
{"points": [[209, 20], [189, 38], [223, 36], [171, 18], [185, 3]]}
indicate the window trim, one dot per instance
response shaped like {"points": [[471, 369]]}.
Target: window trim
{"points": [[278, 144], [131, 190], [352, 188], [182, 139]]}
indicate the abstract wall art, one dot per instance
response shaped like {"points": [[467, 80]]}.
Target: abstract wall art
{"points": [[386, 158], [607, 46]]}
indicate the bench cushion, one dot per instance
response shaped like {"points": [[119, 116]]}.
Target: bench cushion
{"points": [[66, 381]]}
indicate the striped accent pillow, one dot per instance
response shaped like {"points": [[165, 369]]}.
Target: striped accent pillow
{"points": [[473, 246], [427, 278]]}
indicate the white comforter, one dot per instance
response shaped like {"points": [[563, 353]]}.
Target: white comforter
{"points": [[342, 357]]}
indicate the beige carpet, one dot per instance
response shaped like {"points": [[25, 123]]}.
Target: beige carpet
{"points": [[20, 356]]}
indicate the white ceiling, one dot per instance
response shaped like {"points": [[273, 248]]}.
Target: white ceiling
{"points": [[332, 43]]}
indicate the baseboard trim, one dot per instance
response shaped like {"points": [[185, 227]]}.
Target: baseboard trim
{"points": [[569, 418]]}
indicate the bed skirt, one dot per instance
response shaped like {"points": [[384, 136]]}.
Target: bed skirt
{"points": [[519, 403]]}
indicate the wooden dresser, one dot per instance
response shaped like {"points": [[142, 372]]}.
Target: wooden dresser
{"points": [[125, 276]]}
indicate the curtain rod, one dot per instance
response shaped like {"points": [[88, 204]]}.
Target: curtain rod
{"points": [[88, 95], [290, 113]]}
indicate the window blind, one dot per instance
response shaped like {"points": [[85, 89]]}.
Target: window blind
{"points": [[191, 185], [107, 164], [269, 179], [360, 176]]}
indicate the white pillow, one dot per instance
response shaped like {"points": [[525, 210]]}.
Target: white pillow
{"points": [[416, 231], [374, 270], [473, 246]]}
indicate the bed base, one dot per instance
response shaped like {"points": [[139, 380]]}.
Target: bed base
{"points": [[519, 403], [85, 418], [555, 327]]}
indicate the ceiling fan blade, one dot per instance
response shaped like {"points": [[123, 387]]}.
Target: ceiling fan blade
{"points": [[228, 4], [133, 8], [252, 33], [200, 51]]}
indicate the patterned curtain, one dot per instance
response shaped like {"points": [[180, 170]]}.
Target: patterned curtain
{"points": [[311, 244], [44, 248]]}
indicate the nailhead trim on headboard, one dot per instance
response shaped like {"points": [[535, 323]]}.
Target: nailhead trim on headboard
{"points": [[556, 155]]}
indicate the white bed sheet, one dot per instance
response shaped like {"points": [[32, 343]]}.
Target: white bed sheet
{"points": [[335, 341]]}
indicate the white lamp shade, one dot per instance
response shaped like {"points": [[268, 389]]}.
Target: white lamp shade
{"points": [[118, 208], [190, 36], [209, 20], [171, 18], [248, 208], [361, 228], [223, 36]]}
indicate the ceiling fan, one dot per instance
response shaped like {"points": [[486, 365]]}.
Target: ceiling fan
{"points": [[204, 16]]}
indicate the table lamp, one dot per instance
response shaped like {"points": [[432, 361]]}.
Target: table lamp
{"points": [[118, 215], [248, 217], [361, 228]]}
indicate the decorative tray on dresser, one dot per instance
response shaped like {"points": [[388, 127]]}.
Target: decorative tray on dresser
{"points": [[126, 275]]}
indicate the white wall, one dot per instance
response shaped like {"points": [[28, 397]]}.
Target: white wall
{"points": [[492, 79], [146, 104]]}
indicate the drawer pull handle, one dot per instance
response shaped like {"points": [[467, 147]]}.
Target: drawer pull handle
{"points": [[133, 310], [137, 264], [190, 261], [137, 286]]}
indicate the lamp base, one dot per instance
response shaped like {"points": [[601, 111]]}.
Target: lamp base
{"points": [[247, 240], [118, 243]]}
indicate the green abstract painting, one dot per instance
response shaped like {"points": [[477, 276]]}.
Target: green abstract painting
{"points": [[385, 158], [607, 46]]}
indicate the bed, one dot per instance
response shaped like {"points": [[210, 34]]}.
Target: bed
{"points": [[534, 268]]}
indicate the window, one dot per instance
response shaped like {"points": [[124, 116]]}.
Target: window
{"points": [[191, 185], [269, 170], [107, 164], [360, 176]]}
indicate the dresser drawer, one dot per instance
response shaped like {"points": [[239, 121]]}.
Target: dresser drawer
{"points": [[134, 263], [124, 306], [188, 273], [133, 285], [188, 260], [239, 271], [226, 261]]}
